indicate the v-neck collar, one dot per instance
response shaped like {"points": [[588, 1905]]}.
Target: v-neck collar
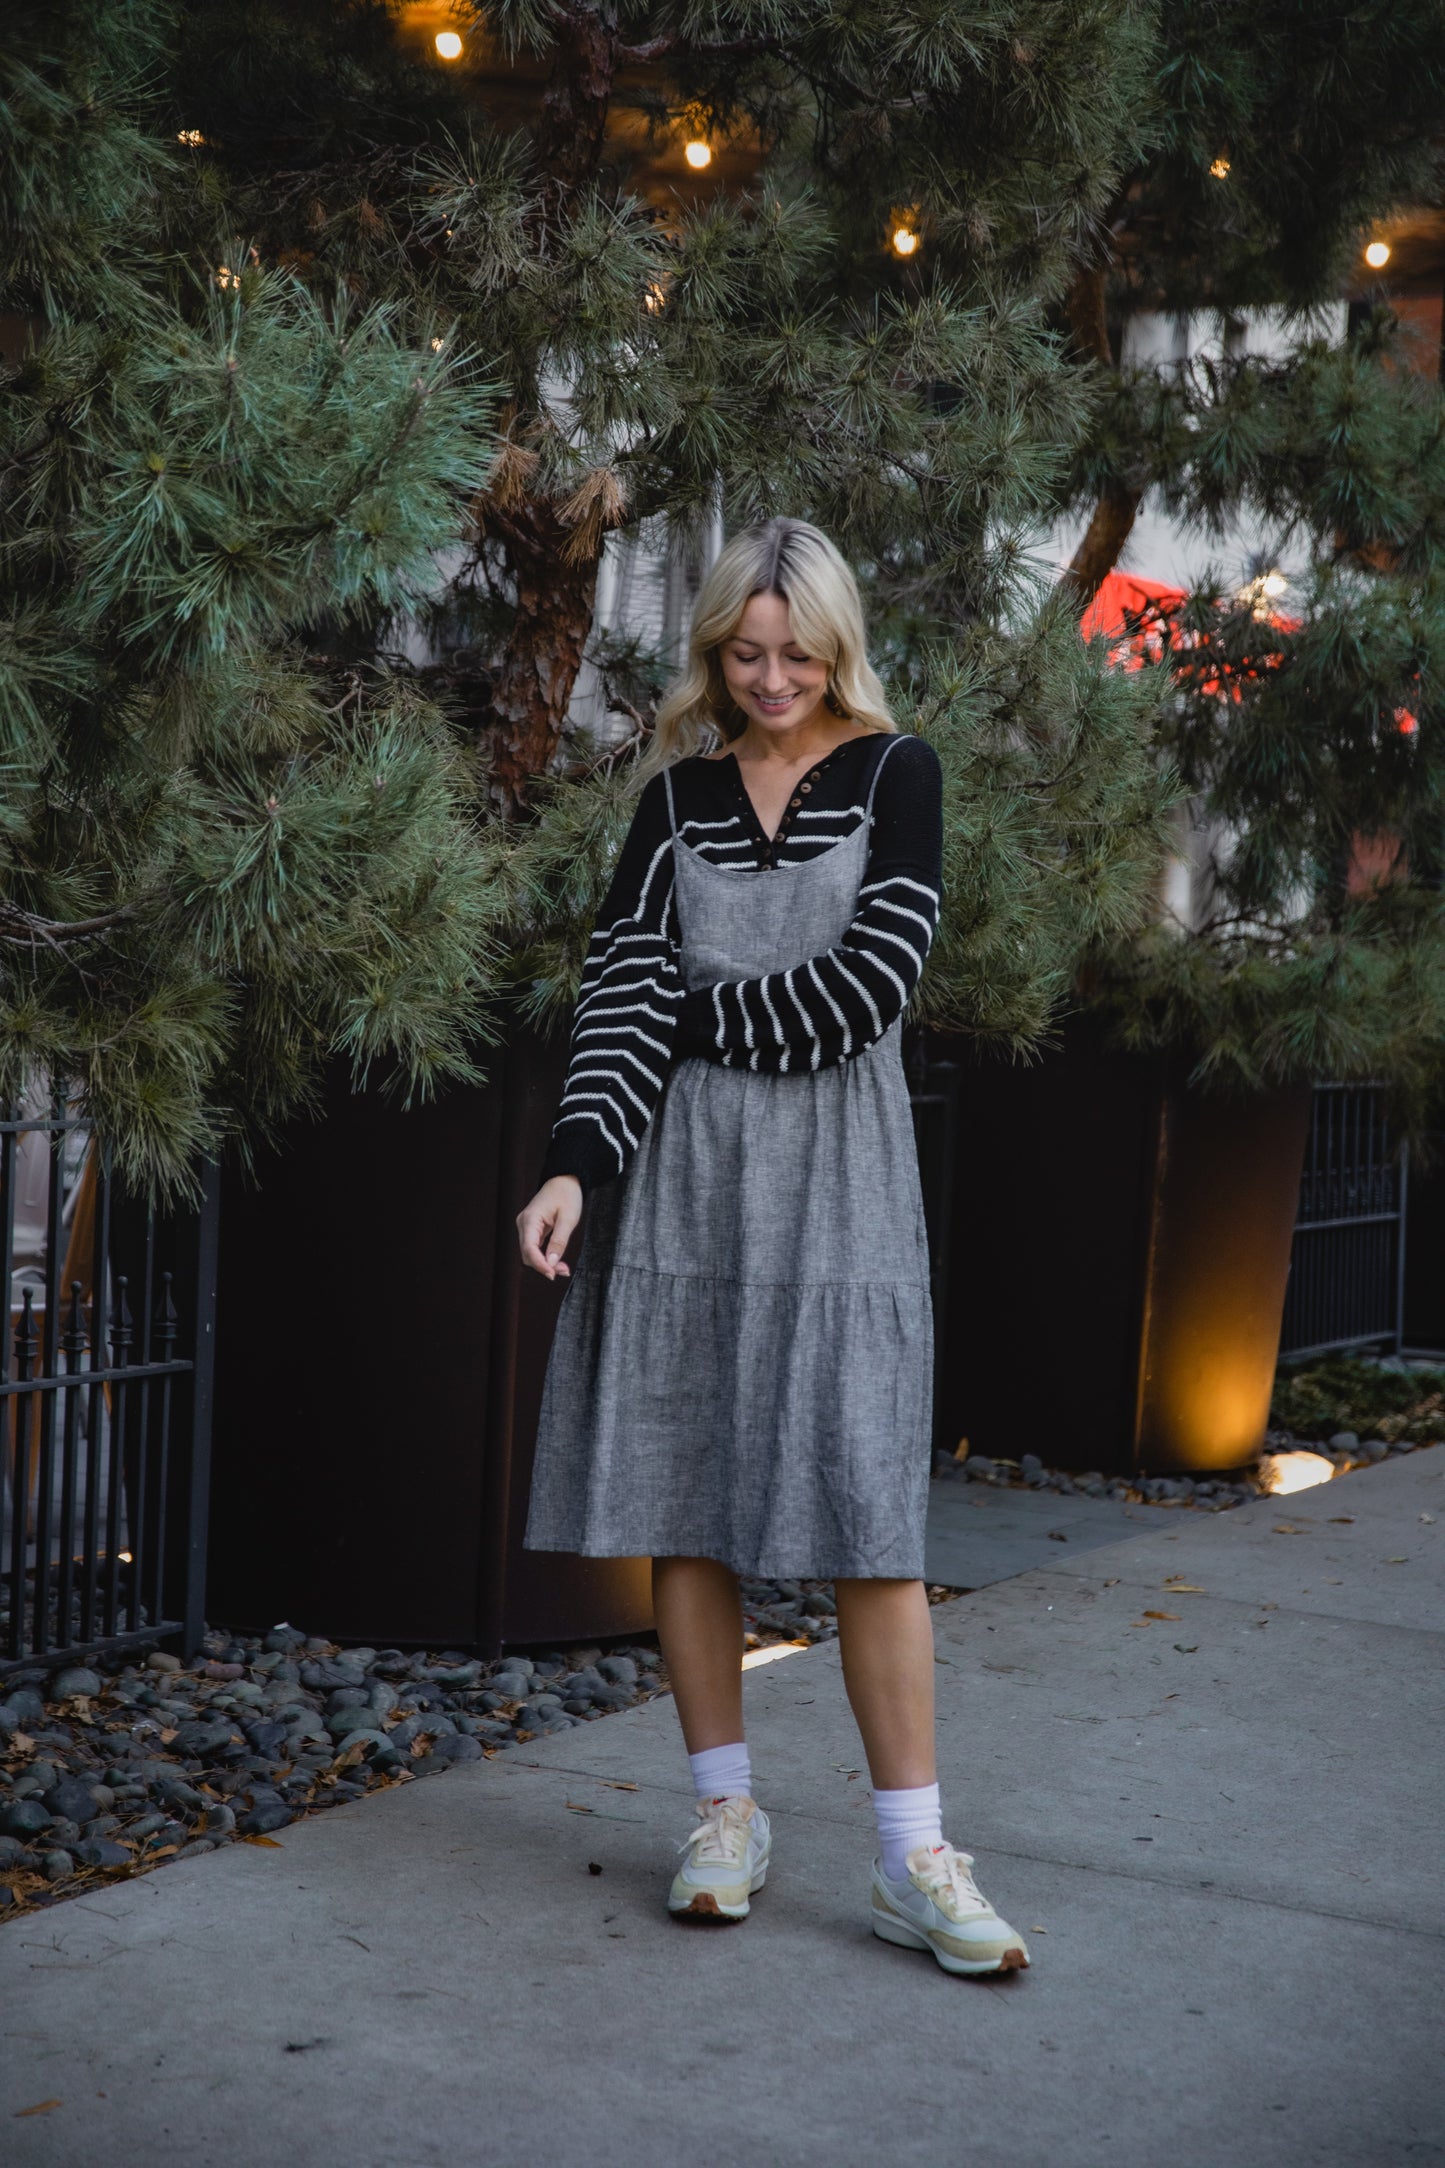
{"points": [[800, 789]]}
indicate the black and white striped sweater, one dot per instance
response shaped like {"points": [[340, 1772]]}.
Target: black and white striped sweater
{"points": [[634, 1017]]}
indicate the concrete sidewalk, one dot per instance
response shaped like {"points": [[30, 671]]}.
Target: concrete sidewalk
{"points": [[1221, 1831]]}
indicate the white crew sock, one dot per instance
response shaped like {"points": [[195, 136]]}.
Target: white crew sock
{"points": [[722, 1772], [906, 1819]]}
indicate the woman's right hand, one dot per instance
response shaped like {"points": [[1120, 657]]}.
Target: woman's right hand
{"points": [[546, 1226]]}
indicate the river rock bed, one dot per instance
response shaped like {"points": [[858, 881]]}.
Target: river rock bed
{"points": [[1210, 1494], [112, 1766]]}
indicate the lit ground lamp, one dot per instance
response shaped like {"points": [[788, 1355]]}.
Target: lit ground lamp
{"points": [[1283, 1473]]}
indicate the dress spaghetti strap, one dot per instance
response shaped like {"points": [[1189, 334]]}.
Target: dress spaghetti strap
{"points": [[671, 809], [878, 770]]}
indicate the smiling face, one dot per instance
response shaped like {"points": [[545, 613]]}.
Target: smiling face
{"points": [[775, 682]]}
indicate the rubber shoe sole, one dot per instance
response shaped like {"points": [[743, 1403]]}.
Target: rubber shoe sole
{"points": [[687, 1901], [889, 1928]]}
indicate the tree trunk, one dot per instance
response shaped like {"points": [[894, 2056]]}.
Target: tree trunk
{"points": [[555, 592], [1103, 543], [555, 600], [1118, 508], [568, 136]]}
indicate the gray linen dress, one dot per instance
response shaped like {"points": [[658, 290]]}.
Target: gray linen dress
{"points": [[742, 1365]]}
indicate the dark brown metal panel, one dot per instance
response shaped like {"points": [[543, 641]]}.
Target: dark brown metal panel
{"points": [[1041, 1316], [544, 1595], [379, 1364], [351, 1372], [1224, 1215], [1424, 1318]]}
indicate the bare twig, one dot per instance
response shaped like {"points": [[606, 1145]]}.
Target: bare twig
{"points": [[25, 928]]}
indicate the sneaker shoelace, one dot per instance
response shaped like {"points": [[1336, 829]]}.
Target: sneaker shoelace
{"points": [[721, 1836], [948, 1881]]}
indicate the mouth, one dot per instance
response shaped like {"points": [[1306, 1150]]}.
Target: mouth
{"points": [[773, 706]]}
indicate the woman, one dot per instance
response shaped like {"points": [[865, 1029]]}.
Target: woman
{"points": [[740, 1377]]}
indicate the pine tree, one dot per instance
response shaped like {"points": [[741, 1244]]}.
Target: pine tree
{"points": [[316, 325], [226, 851], [1308, 734]]}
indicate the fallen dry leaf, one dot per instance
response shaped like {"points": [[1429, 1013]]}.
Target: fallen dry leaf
{"points": [[575, 1806], [616, 1784], [168, 1734], [1286, 1528], [41, 2107], [22, 1743], [1112, 1582], [1172, 1616], [1401, 1561], [1184, 1588], [1187, 1648], [274, 1843], [1342, 1520], [1428, 1519]]}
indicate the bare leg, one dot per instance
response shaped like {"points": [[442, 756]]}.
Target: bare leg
{"points": [[886, 1636], [700, 1627]]}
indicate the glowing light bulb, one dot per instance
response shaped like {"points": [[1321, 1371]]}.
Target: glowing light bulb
{"points": [[1274, 583], [1219, 168], [1377, 255], [697, 153], [905, 241], [192, 136], [449, 45]]}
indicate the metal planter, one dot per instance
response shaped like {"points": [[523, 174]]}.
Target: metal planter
{"points": [[1120, 1252]]}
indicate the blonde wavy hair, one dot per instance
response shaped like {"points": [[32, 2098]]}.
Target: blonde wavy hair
{"points": [[784, 557]]}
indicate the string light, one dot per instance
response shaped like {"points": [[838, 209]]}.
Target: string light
{"points": [[904, 241], [697, 153], [1377, 255], [449, 45], [1219, 168], [226, 277], [192, 136]]}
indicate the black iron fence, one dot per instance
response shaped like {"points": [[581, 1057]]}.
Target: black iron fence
{"points": [[105, 1400], [1347, 1270]]}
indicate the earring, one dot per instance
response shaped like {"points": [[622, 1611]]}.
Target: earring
{"points": [[832, 702]]}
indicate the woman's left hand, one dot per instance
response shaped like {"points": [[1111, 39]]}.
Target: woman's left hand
{"points": [[547, 1224]]}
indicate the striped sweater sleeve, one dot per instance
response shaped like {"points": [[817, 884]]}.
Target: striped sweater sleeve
{"points": [[625, 1022], [833, 1007]]}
